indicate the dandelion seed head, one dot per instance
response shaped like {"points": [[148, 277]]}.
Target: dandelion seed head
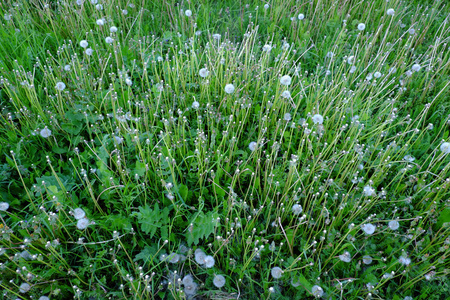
{"points": [[109, 40], [287, 117], [369, 191], [286, 80], [416, 67], [276, 272], [195, 105], [286, 94], [317, 119], [82, 223], [229, 88], [367, 259], [45, 133], [219, 281], [89, 51], [209, 261], [301, 16], [113, 29], [4, 206], [24, 287], [445, 147], [84, 43], [393, 225], [345, 257], [297, 209], [368, 228], [390, 12], [79, 213], [100, 22], [188, 13], [252, 146], [203, 72], [361, 26], [60, 86], [317, 291]]}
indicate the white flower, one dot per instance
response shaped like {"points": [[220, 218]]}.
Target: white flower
{"points": [[99, 7], [4, 206], [301, 16], [44, 298], [118, 139], [416, 67], [209, 261], [369, 76], [350, 59], [404, 260], [216, 36], [346, 257], [159, 58], [445, 147], [408, 73], [198, 32], [174, 258], [267, 48], [286, 80], [367, 259], [67, 68], [317, 291], [252, 146], [200, 256], [89, 51], [361, 26], [297, 209], [128, 82], [219, 281], [330, 54], [276, 272], [60, 86], [369, 191], [317, 119], [203, 72], [411, 31], [195, 105], [84, 43], [24, 287], [394, 225], [286, 94], [109, 40], [368, 228], [94, 1], [45, 133], [266, 6], [353, 69], [409, 158], [82, 223], [229, 88], [113, 29], [100, 22], [188, 13], [79, 2], [286, 46], [287, 117], [190, 289], [377, 74], [79, 213], [188, 280], [390, 12]]}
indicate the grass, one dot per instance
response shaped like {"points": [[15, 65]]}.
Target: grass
{"points": [[237, 152]]}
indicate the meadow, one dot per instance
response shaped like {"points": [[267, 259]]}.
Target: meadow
{"points": [[279, 149]]}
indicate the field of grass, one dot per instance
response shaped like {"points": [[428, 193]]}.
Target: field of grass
{"points": [[232, 149]]}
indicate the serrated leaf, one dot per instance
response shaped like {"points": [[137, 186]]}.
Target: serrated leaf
{"points": [[203, 226], [153, 219]]}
